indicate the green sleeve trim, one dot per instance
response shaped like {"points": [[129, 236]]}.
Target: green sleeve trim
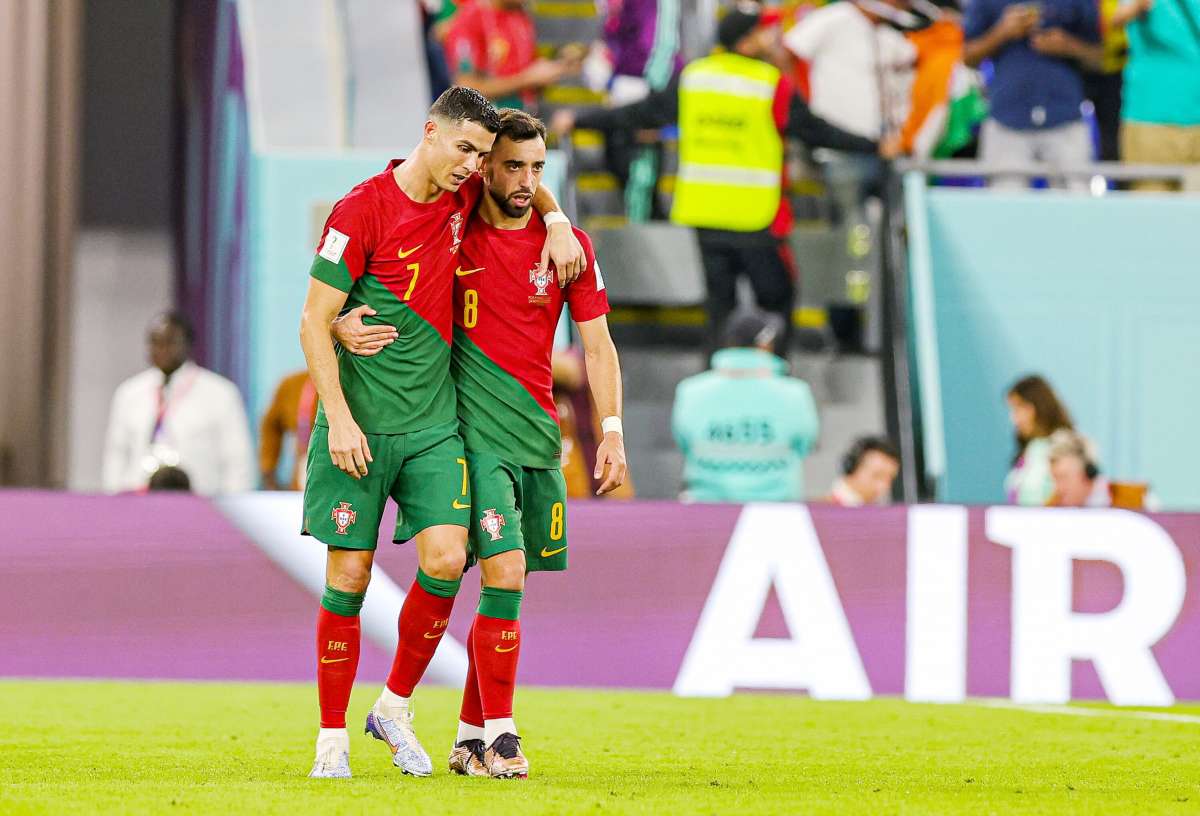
{"points": [[334, 274], [504, 604], [438, 586], [346, 604]]}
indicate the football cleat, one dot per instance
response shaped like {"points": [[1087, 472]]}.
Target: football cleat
{"points": [[333, 762], [397, 733], [504, 759], [466, 758]]}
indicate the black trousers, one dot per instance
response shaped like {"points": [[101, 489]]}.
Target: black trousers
{"points": [[765, 261]]}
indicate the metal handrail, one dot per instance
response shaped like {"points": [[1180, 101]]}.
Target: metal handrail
{"points": [[1187, 175]]}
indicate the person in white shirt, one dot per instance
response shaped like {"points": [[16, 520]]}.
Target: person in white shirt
{"points": [[859, 66], [177, 414]]}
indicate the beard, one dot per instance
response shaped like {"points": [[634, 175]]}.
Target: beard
{"points": [[511, 209]]}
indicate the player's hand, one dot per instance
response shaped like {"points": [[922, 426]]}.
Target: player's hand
{"points": [[611, 456], [1054, 42], [563, 121], [1018, 20], [543, 72], [563, 249], [360, 338], [348, 448]]}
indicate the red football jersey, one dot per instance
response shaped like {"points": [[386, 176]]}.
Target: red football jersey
{"points": [[398, 256], [505, 316]]}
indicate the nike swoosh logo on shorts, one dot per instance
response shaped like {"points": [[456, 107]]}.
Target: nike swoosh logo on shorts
{"points": [[462, 273], [336, 660], [404, 254], [434, 636], [547, 553], [457, 506], [509, 649]]}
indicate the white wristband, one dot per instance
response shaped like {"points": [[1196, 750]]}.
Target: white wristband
{"points": [[556, 217], [612, 424]]}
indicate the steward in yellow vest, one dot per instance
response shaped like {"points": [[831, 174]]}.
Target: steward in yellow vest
{"points": [[734, 109]]}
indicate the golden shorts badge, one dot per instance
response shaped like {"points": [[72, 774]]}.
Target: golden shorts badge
{"points": [[541, 279], [492, 522], [343, 517]]}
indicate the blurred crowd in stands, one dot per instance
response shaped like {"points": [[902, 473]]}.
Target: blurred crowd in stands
{"points": [[849, 85]]}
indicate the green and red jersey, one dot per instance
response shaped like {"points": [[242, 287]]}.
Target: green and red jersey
{"points": [[397, 255], [505, 315]]}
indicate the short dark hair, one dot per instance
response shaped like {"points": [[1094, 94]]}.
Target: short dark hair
{"points": [[459, 104], [169, 477], [518, 126], [864, 445], [179, 321]]}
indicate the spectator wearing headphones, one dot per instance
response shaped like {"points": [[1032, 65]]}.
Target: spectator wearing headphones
{"points": [[868, 469], [1075, 469]]}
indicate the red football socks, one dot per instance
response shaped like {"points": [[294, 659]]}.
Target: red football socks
{"points": [[423, 621], [471, 712], [338, 639], [496, 645]]}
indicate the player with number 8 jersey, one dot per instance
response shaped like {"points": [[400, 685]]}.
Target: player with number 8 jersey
{"points": [[506, 310]]}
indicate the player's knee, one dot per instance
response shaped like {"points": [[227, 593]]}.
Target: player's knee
{"points": [[504, 571], [350, 577], [445, 563]]}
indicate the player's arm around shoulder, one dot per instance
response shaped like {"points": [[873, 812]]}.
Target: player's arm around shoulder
{"points": [[562, 247], [604, 376]]}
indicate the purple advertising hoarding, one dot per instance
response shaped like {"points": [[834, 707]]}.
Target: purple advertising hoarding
{"points": [[931, 602]]}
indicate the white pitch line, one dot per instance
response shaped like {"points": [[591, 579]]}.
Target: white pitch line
{"points": [[1078, 711]]}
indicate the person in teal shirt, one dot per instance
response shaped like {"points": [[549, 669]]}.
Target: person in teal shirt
{"points": [[745, 426], [1161, 107]]}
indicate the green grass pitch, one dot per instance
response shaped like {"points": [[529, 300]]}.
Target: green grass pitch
{"points": [[118, 747]]}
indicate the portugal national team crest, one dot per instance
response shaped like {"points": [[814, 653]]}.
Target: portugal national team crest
{"points": [[541, 279], [491, 523], [456, 223], [343, 517]]}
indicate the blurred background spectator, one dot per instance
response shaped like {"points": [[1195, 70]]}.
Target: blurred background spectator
{"points": [[1075, 469], [859, 71], [1037, 52], [1103, 83], [177, 414], [732, 175], [745, 426], [290, 416], [1161, 113], [170, 478], [869, 468], [1036, 413], [491, 45], [640, 53]]}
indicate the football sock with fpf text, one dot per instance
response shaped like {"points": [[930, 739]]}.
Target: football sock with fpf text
{"points": [[423, 621], [470, 717], [338, 636], [496, 646]]}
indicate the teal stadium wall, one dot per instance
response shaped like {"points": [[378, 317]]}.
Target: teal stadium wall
{"points": [[1099, 294]]}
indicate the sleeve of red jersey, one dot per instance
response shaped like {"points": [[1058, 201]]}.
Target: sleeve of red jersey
{"points": [[586, 297], [346, 244]]}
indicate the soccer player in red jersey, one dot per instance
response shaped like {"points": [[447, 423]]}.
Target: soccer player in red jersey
{"points": [[506, 309], [387, 424]]}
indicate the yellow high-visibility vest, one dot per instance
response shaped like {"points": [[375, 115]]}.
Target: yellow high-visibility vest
{"points": [[730, 150]]}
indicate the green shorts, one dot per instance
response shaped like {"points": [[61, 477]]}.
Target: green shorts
{"points": [[517, 507], [425, 472]]}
